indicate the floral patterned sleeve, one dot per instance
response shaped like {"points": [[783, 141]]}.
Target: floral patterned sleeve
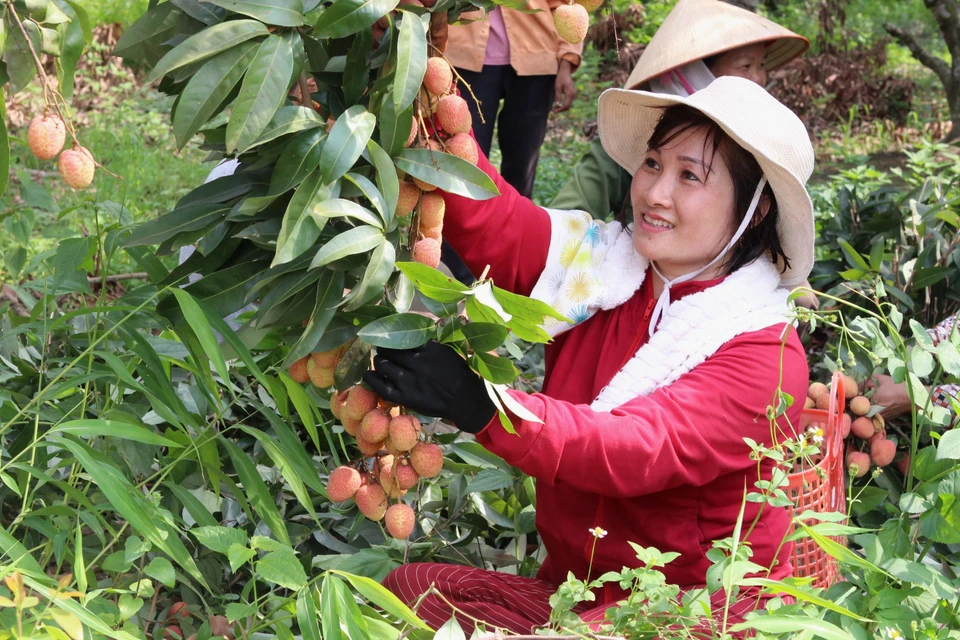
{"points": [[942, 394]]}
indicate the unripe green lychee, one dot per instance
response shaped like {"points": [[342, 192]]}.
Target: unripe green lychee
{"points": [[882, 451], [438, 76], [427, 251], [375, 426], [45, 136], [858, 464], [343, 483], [372, 501], [76, 166], [400, 521], [571, 21], [465, 147], [320, 377], [859, 406], [453, 114], [360, 401], [409, 196], [432, 207], [298, 370], [404, 432], [862, 427], [427, 459]]}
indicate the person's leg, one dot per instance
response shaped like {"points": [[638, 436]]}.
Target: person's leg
{"points": [[488, 88], [521, 127], [499, 599]]}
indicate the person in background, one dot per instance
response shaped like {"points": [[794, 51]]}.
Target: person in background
{"points": [[896, 399]]}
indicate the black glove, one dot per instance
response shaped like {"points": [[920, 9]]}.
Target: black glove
{"points": [[433, 380]]}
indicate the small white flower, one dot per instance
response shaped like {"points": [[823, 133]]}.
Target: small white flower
{"points": [[893, 634], [597, 532], [816, 434]]}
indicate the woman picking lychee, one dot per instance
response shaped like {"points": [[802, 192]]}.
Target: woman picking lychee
{"points": [[679, 342]]}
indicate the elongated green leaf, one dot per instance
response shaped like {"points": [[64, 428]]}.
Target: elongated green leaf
{"points": [[371, 193], [448, 172], [298, 158], [201, 11], [433, 283], [72, 42], [208, 88], [286, 469], [840, 552], [494, 368], [282, 13], [411, 60], [330, 609], [198, 322], [329, 294], [305, 409], [141, 39], [20, 66], [356, 71], [207, 43], [180, 220], [83, 18], [344, 17], [283, 568], [399, 331], [380, 596], [348, 139], [375, 276], [257, 492], [395, 126], [775, 586], [4, 149], [300, 229], [340, 208], [263, 90], [307, 618], [290, 119], [387, 181], [348, 243], [783, 624], [113, 429]]}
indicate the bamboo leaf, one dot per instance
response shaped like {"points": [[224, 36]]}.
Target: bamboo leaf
{"points": [[256, 491], [113, 429]]}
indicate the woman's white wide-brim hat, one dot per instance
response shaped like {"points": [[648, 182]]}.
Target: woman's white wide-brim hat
{"points": [[757, 122], [697, 29]]}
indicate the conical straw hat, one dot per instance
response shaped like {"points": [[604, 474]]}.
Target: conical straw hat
{"points": [[697, 29]]}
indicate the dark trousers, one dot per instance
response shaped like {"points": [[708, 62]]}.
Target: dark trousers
{"points": [[521, 127]]}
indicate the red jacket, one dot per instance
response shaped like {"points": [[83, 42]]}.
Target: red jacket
{"points": [[666, 470]]}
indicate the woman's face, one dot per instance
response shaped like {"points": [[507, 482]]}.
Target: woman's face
{"points": [[683, 202], [745, 62]]}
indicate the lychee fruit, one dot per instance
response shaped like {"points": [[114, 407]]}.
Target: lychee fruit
{"points": [[46, 136], [326, 359], [858, 464], [823, 402], [464, 147], [809, 403], [862, 428], [432, 207], [404, 475], [432, 232], [350, 425], [404, 432], [359, 402], [426, 459], [427, 102], [391, 449], [76, 166], [453, 114], [414, 130], [298, 370], [859, 406], [590, 5], [878, 435], [409, 195], [438, 77], [846, 422], [427, 251], [400, 521], [336, 403], [375, 426], [320, 377], [850, 388], [372, 501], [882, 451], [343, 483], [571, 22], [424, 186], [816, 390], [368, 448], [903, 464]]}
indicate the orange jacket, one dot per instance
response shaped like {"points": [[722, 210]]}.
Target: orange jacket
{"points": [[535, 47]]}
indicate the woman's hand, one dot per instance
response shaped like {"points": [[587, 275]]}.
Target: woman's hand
{"points": [[564, 90], [890, 395], [433, 380]]}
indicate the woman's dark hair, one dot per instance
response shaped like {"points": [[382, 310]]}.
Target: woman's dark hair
{"points": [[761, 236]]}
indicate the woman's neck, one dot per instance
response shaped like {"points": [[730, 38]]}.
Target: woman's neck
{"points": [[714, 272]]}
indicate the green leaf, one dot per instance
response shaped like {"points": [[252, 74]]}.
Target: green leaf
{"points": [[20, 65], [208, 88], [387, 181], [448, 172], [287, 470], [201, 328], [257, 492], [239, 555], [356, 71], [282, 568], [329, 294], [789, 625], [377, 594], [775, 587], [307, 615], [143, 40], [399, 331], [854, 259], [345, 17], [450, 631], [162, 571], [113, 429], [239, 610], [348, 139], [298, 158], [200, 11], [372, 194], [220, 539], [263, 90], [282, 13], [394, 126], [342, 208], [290, 119], [348, 243], [411, 60], [433, 283], [72, 41], [928, 276], [375, 276], [181, 220], [300, 229], [330, 609], [494, 368], [484, 336], [5, 152], [205, 44], [949, 446], [83, 19]]}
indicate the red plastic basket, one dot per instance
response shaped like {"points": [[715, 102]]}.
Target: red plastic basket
{"points": [[810, 492]]}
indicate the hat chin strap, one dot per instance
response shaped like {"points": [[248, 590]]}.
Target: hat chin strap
{"points": [[663, 302]]}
